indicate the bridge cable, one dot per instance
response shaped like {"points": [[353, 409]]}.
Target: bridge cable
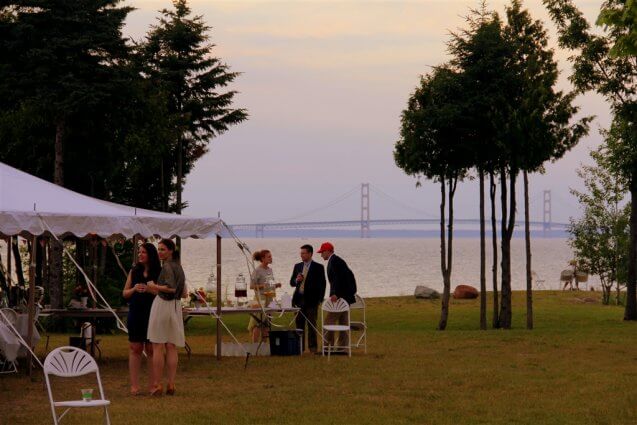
{"points": [[335, 201], [378, 191]]}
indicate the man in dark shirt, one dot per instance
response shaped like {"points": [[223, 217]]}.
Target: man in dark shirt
{"points": [[308, 277], [342, 285]]}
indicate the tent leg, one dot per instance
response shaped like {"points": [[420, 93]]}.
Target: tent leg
{"points": [[218, 297], [31, 301], [9, 283]]}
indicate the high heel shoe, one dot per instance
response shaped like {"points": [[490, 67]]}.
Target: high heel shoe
{"points": [[170, 390], [156, 391]]}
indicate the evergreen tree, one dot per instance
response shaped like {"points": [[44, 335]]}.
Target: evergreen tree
{"points": [[179, 62], [59, 60]]}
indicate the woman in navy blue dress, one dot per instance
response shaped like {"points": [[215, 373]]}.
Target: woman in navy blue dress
{"points": [[140, 299]]}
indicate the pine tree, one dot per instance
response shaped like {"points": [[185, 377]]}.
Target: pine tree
{"points": [[180, 63]]}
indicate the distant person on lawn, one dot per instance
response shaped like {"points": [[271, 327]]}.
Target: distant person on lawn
{"points": [[342, 285], [308, 277]]}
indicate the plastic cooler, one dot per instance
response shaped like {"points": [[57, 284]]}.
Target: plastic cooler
{"points": [[285, 342]]}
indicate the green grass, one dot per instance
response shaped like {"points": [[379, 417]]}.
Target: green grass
{"points": [[576, 367]]}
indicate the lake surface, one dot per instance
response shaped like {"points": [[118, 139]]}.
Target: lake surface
{"points": [[383, 267]]}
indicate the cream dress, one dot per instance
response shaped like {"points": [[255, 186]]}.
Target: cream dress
{"points": [[166, 323]]}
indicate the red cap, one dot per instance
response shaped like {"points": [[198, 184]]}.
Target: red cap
{"points": [[326, 246]]}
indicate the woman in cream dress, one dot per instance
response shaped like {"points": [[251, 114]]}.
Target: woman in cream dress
{"points": [[262, 281], [166, 325]]}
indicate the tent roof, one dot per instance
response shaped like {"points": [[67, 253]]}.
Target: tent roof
{"points": [[30, 205]]}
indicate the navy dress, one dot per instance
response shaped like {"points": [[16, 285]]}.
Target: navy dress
{"points": [[139, 307]]}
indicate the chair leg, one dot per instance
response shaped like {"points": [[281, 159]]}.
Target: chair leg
{"points": [[107, 419], [349, 348]]}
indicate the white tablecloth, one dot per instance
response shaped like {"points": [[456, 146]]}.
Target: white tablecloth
{"points": [[9, 343], [22, 326]]}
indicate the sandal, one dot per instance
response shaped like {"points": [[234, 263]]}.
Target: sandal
{"points": [[170, 390], [156, 391]]}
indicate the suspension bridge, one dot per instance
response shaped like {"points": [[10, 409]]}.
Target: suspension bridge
{"points": [[546, 227]]}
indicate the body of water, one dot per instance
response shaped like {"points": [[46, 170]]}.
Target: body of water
{"points": [[383, 267]]}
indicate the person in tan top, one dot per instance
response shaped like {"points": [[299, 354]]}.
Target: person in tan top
{"points": [[262, 281], [166, 325]]}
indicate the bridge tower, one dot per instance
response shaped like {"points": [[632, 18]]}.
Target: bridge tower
{"points": [[546, 216], [259, 231], [364, 210]]}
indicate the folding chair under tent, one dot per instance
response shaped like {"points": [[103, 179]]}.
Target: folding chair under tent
{"points": [[32, 207]]}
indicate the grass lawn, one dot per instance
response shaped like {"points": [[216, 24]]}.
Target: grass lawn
{"points": [[577, 367]]}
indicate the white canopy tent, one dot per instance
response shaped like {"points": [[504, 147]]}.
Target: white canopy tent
{"points": [[26, 201], [30, 206]]}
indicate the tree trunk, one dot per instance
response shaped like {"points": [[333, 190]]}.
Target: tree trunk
{"points": [[56, 278], [508, 221], [527, 240], [39, 262], [58, 167], [483, 277], [444, 313], [180, 179], [164, 200], [18, 262], [3, 279], [630, 312], [494, 245], [102, 250]]}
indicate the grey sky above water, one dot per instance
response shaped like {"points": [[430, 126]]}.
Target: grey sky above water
{"points": [[325, 83]]}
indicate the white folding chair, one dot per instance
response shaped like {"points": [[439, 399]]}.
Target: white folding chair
{"points": [[536, 282], [339, 306], [359, 325], [8, 317], [70, 362]]}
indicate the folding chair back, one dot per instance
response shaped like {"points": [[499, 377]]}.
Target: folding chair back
{"points": [[359, 324], [338, 306], [70, 362]]}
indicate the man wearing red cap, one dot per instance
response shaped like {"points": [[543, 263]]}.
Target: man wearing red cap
{"points": [[342, 285]]}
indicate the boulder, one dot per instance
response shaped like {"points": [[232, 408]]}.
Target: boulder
{"points": [[425, 292], [465, 292]]}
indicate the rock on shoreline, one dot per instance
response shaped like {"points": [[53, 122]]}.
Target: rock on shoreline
{"points": [[426, 293]]}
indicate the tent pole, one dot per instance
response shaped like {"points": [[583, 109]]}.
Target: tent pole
{"points": [[218, 297], [31, 301], [94, 242], [9, 251], [134, 260]]}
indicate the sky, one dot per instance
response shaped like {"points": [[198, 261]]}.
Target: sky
{"points": [[324, 83]]}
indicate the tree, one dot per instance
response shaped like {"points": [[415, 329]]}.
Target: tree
{"points": [[179, 62], [621, 16], [433, 145], [537, 129], [615, 78], [59, 59], [600, 238], [482, 54]]}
